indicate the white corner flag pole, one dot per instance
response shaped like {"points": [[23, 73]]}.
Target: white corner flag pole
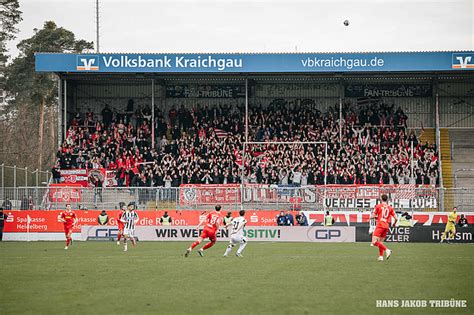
{"points": [[28, 220]]}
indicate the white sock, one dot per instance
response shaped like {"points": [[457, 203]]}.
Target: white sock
{"points": [[228, 250], [241, 247]]}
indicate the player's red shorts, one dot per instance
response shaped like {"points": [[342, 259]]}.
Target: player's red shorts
{"points": [[211, 234], [67, 229], [380, 232], [121, 227]]}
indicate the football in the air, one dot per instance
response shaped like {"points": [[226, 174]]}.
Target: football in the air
{"points": [[346, 22]]}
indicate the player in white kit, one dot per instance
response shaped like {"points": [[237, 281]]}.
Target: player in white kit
{"points": [[130, 219], [372, 225], [237, 234]]}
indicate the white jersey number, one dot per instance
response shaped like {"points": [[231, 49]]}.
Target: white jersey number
{"points": [[236, 225]]}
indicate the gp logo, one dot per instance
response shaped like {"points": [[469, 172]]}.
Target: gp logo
{"points": [[106, 232], [327, 234]]}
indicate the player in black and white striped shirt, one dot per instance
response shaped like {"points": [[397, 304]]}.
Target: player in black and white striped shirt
{"points": [[129, 219], [372, 225]]}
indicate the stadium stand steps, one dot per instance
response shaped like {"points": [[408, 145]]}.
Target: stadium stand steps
{"points": [[447, 166], [429, 135]]}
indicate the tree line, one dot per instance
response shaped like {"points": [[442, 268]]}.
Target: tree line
{"points": [[28, 121]]}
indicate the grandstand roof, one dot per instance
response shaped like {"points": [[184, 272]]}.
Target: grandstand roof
{"points": [[257, 63], [263, 53]]}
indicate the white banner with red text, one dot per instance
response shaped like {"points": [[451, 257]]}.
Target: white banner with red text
{"points": [[339, 197], [83, 177]]}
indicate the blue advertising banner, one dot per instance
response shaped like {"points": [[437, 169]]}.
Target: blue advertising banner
{"points": [[255, 63]]}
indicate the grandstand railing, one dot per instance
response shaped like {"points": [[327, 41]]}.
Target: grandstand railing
{"points": [[236, 197]]}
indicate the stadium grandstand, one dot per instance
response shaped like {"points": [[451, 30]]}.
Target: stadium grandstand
{"points": [[158, 129]]}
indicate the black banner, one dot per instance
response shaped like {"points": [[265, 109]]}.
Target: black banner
{"points": [[205, 91], [388, 90], [425, 234]]}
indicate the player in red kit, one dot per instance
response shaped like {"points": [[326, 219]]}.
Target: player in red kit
{"points": [[383, 213], [120, 224], [69, 219], [211, 226]]}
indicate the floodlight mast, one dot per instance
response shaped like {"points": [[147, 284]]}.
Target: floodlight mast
{"points": [[97, 25]]}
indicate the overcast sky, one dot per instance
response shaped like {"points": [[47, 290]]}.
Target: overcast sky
{"points": [[260, 26]]}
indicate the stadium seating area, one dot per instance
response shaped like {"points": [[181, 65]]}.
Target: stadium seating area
{"points": [[205, 146]]}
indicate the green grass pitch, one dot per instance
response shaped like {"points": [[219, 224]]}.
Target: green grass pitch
{"points": [[272, 278]]}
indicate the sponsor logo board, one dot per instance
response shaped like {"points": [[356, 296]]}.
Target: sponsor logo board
{"points": [[426, 234], [272, 234]]}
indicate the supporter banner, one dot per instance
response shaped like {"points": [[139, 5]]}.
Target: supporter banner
{"points": [[47, 221], [231, 194], [388, 90], [407, 197], [375, 191], [74, 176], [65, 193], [279, 194], [82, 176], [333, 196], [110, 178], [255, 63], [272, 234], [191, 194], [96, 173], [365, 203], [417, 234], [205, 91]]}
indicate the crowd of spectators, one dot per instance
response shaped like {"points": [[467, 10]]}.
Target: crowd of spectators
{"points": [[204, 146]]}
